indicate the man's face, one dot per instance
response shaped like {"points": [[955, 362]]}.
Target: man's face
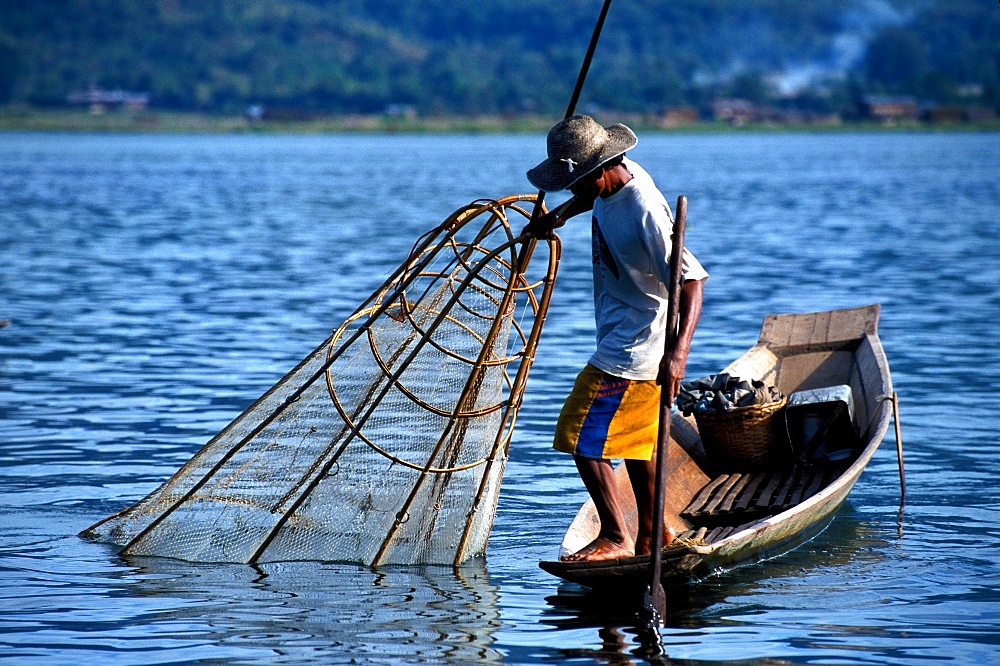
{"points": [[589, 186]]}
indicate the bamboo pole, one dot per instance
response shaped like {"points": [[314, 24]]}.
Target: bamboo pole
{"points": [[529, 243], [654, 601], [899, 447]]}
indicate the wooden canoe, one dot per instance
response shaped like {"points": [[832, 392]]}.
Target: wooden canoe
{"points": [[726, 519]]}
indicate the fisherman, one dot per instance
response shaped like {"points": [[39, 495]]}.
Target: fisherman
{"points": [[613, 409]]}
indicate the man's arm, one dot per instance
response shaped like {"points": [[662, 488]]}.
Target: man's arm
{"points": [[674, 361], [555, 218]]}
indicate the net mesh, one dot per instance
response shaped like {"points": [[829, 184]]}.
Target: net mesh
{"points": [[387, 444]]}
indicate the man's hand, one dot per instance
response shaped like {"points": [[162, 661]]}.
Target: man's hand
{"points": [[671, 372], [543, 226]]}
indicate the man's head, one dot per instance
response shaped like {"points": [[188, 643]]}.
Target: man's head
{"points": [[578, 146]]}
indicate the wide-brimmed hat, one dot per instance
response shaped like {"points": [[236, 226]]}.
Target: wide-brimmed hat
{"points": [[577, 146]]}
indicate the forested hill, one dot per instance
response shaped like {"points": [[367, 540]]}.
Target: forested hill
{"points": [[496, 56]]}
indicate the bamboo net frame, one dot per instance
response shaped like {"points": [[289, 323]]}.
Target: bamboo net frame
{"points": [[387, 444]]}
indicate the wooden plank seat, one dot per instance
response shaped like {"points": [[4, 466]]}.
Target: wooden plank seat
{"points": [[737, 497]]}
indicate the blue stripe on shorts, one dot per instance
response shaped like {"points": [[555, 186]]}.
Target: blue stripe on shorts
{"points": [[594, 431]]}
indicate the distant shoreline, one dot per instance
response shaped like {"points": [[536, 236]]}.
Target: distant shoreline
{"points": [[167, 122]]}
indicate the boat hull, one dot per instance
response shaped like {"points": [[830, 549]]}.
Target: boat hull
{"points": [[794, 352]]}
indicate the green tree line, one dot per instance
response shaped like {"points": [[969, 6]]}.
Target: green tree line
{"points": [[496, 56]]}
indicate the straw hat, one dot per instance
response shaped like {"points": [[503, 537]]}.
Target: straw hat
{"points": [[577, 146]]}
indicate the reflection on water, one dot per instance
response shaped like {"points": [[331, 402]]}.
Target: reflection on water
{"points": [[693, 608], [308, 610], [293, 612]]}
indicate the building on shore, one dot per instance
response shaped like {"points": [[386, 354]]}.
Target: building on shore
{"points": [[887, 109], [99, 100]]}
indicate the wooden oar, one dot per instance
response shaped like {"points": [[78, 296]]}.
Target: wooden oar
{"points": [[654, 604]]}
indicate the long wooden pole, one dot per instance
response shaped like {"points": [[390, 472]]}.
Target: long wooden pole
{"points": [[899, 448], [655, 603], [529, 243], [571, 107]]}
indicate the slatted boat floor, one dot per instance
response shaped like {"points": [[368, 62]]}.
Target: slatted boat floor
{"points": [[734, 498], [708, 535]]}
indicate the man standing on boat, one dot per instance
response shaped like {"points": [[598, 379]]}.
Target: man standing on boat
{"points": [[613, 409]]}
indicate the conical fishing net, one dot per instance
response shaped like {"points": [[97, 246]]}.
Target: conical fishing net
{"points": [[386, 444]]}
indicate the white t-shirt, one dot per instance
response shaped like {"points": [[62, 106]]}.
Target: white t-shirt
{"points": [[631, 233]]}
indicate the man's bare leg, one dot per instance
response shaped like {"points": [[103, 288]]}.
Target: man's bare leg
{"points": [[614, 539], [642, 476]]}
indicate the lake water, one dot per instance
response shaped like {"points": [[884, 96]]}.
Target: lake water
{"points": [[158, 284]]}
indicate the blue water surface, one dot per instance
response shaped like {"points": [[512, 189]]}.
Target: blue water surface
{"points": [[157, 284]]}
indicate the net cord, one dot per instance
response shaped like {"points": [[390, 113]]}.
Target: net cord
{"points": [[470, 390], [420, 248], [385, 366], [373, 404], [516, 394], [401, 279], [393, 380]]}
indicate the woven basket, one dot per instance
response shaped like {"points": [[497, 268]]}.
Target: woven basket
{"points": [[745, 439]]}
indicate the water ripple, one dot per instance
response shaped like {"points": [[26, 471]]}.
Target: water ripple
{"points": [[157, 285]]}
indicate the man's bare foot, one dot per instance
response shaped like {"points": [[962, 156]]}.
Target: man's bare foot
{"points": [[600, 549], [643, 546]]}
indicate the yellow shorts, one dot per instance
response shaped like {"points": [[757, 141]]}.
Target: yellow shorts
{"points": [[609, 417]]}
